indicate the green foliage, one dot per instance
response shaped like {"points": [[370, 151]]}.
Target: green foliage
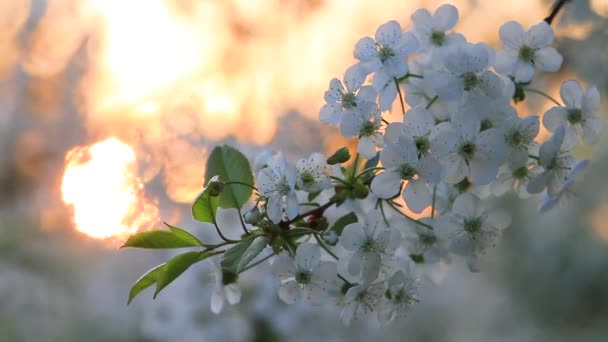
{"points": [[240, 255], [340, 156], [232, 166], [205, 206], [173, 238], [163, 274], [342, 222]]}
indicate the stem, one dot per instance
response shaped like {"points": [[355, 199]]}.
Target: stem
{"points": [[533, 157], [379, 204], [257, 262], [433, 202], [408, 217], [368, 170], [315, 211], [344, 280], [241, 183], [339, 180], [413, 75], [556, 8], [432, 101], [219, 232], [322, 244], [400, 95], [355, 165], [242, 222], [536, 91]]}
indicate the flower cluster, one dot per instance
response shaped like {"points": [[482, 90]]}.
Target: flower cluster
{"points": [[460, 143]]}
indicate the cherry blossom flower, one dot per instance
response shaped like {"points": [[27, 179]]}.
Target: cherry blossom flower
{"points": [[277, 183], [312, 173], [364, 122]]}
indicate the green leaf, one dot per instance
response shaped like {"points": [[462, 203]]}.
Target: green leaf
{"points": [[232, 258], [251, 252], [145, 281], [342, 222], [175, 238], [313, 195], [205, 206], [176, 266], [232, 166]]}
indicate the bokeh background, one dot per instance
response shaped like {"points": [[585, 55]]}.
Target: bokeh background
{"points": [[155, 84]]}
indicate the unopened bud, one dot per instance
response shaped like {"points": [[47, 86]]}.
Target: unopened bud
{"points": [[215, 186], [360, 191], [252, 216], [330, 238], [340, 156]]}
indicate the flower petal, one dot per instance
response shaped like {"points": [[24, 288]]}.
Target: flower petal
{"points": [[554, 117], [352, 236], [571, 93], [289, 291], [539, 35], [386, 184], [512, 35], [389, 33], [308, 256], [445, 17], [466, 204], [548, 59], [417, 196], [365, 49]]}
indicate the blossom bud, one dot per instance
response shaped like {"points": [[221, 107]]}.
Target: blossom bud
{"points": [[215, 186], [360, 191], [340, 156], [252, 216], [330, 238]]}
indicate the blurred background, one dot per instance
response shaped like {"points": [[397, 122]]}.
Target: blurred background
{"points": [[109, 109]]}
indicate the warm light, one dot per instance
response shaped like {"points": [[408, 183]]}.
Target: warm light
{"points": [[100, 184]]}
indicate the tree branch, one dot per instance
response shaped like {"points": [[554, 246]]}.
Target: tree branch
{"points": [[556, 8]]}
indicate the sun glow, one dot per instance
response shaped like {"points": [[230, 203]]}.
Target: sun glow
{"points": [[106, 196]]}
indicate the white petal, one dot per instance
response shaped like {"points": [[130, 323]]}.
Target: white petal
{"points": [[592, 129], [289, 291], [350, 125], [330, 114], [388, 33], [539, 35], [370, 266], [308, 256], [293, 207], [393, 131], [352, 236], [483, 172], [467, 205], [506, 60], [387, 95], [217, 299], [386, 184], [313, 293], [554, 117], [571, 93], [443, 139], [538, 183], [335, 91], [447, 86], [233, 293], [365, 49], [455, 170], [524, 72], [354, 77], [407, 44], [273, 208], [498, 219], [422, 19], [429, 170], [283, 266], [366, 147], [550, 148], [445, 17], [417, 196], [548, 59], [326, 275], [512, 35], [418, 121], [591, 101]]}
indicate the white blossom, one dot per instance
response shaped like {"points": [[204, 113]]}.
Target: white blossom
{"points": [[371, 243], [402, 163], [566, 193], [364, 122], [432, 30], [306, 277], [312, 173], [224, 290], [522, 52], [400, 295], [277, 183], [361, 300], [470, 228], [579, 117]]}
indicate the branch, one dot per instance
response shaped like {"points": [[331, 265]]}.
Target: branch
{"points": [[556, 8]]}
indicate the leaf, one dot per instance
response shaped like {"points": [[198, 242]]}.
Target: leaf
{"points": [[205, 206], [251, 252], [176, 238], [313, 195], [232, 166], [145, 281], [342, 222], [232, 258], [176, 266]]}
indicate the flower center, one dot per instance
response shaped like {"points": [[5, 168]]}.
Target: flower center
{"points": [[407, 172], [472, 226], [348, 100], [422, 144], [307, 178], [463, 185], [526, 54], [367, 129], [515, 138], [486, 124], [370, 245], [283, 187], [385, 53], [575, 116], [467, 150], [303, 276], [520, 173], [470, 81], [437, 38]]}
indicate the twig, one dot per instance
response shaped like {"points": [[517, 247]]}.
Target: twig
{"points": [[556, 8]]}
